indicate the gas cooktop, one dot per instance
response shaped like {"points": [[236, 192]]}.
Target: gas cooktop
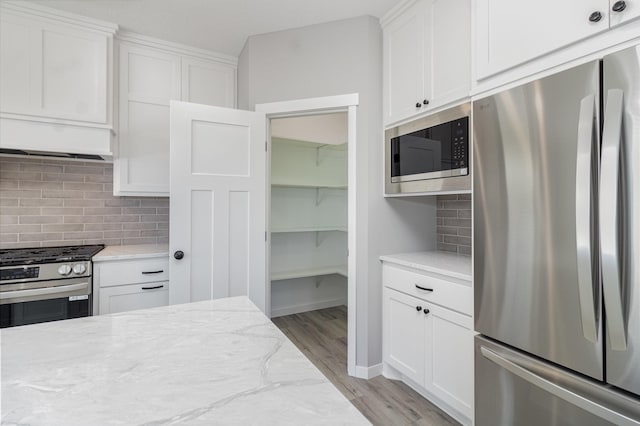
{"points": [[39, 255]]}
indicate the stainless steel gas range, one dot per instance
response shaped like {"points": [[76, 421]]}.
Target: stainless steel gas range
{"points": [[45, 284]]}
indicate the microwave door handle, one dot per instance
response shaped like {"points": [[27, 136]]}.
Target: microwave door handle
{"points": [[609, 216], [585, 171]]}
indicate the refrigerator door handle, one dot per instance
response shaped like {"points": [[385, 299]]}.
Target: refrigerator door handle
{"points": [[609, 216], [585, 169], [511, 364]]}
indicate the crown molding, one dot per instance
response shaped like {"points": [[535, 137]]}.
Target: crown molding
{"points": [[395, 11]]}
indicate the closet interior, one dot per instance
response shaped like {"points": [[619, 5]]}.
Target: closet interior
{"points": [[308, 213]]}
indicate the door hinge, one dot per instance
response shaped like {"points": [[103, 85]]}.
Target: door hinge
{"points": [[265, 235], [266, 145]]}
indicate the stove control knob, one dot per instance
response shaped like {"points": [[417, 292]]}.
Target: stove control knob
{"points": [[79, 269], [64, 270]]}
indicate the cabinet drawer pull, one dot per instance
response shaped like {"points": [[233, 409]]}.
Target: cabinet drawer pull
{"points": [[153, 288], [424, 288], [152, 272], [418, 308], [426, 311], [418, 104]]}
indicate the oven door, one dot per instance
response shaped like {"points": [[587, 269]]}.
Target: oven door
{"points": [[48, 301]]}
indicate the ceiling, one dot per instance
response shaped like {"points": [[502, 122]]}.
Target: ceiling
{"points": [[219, 25]]}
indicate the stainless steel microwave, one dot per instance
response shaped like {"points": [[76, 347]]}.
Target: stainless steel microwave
{"points": [[430, 154]]}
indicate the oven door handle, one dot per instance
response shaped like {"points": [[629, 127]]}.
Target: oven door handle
{"points": [[35, 292]]}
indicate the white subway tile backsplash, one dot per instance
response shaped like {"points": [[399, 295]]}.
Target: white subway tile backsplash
{"points": [[48, 202]]}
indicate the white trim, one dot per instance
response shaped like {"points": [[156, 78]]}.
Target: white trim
{"points": [[181, 49], [368, 372], [314, 106], [59, 15], [296, 309], [395, 11], [309, 106]]}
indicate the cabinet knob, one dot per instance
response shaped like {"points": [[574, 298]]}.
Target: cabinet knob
{"points": [[425, 102], [595, 16], [418, 308], [619, 6], [426, 311], [178, 254], [418, 105]]}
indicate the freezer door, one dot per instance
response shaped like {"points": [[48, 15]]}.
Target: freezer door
{"points": [[620, 217], [536, 274], [512, 388]]}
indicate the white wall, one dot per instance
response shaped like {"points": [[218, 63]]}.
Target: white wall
{"points": [[338, 58]]}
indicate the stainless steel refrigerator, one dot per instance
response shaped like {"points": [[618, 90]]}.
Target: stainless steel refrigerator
{"points": [[557, 248]]}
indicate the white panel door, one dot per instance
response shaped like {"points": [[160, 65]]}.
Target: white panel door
{"points": [[149, 80], [507, 35], [623, 11], [449, 357], [449, 68], [209, 83], [218, 216], [404, 64], [404, 334]]}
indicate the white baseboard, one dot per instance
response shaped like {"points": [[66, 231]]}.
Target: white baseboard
{"points": [[368, 372], [296, 309]]}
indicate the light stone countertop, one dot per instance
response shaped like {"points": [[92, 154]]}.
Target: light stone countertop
{"points": [[440, 262], [213, 362], [140, 251]]}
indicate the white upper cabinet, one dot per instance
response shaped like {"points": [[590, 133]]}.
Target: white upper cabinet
{"points": [[426, 56], [206, 82], [508, 35], [55, 68], [622, 11], [152, 73]]}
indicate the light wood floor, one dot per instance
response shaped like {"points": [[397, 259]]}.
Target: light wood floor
{"points": [[322, 336]]}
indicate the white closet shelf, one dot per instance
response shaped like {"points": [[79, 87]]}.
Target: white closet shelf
{"points": [[309, 144], [309, 229], [305, 185], [310, 272]]}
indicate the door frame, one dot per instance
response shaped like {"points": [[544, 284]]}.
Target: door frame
{"points": [[312, 106]]}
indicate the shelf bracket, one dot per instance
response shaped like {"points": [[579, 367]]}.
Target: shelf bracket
{"points": [[319, 279], [318, 154]]}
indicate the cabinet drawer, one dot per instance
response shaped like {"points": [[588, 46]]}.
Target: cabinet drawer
{"points": [[133, 297], [449, 294], [134, 271]]}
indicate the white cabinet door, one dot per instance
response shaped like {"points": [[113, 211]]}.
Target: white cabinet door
{"points": [[449, 74], [404, 64], [132, 297], [449, 358], [149, 80], [623, 11], [404, 334], [218, 202], [209, 83], [53, 70], [507, 34]]}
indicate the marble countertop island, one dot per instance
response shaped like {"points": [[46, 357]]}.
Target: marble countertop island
{"points": [[220, 362]]}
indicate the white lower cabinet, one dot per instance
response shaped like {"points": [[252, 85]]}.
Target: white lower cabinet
{"points": [[428, 345], [127, 285], [132, 297]]}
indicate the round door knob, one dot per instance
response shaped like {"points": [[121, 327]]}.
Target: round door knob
{"points": [[425, 102], [619, 6], [79, 269], [418, 105], [595, 16], [64, 270], [178, 254], [418, 308], [426, 311]]}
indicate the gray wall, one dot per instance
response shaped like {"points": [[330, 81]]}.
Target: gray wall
{"points": [[338, 58], [454, 223], [55, 202]]}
